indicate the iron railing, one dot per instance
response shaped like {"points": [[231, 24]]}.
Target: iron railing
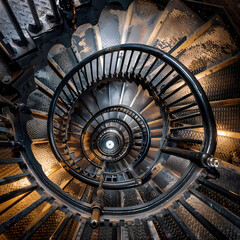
{"points": [[165, 78]]}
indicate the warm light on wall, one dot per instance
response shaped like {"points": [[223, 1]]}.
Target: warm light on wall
{"points": [[222, 133]]}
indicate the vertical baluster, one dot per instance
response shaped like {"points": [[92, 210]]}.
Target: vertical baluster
{"points": [[81, 71], [68, 10], [110, 67], [80, 80], [151, 67], [23, 40], [64, 119], [170, 83], [37, 27], [174, 91], [145, 61], [115, 72], [85, 74], [104, 65], [75, 85], [129, 62], [64, 112], [70, 90], [91, 68], [160, 70], [65, 94], [123, 59], [136, 63], [63, 102], [97, 68], [165, 77], [56, 16]]}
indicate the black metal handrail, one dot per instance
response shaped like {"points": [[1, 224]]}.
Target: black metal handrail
{"points": [[153, 69]]}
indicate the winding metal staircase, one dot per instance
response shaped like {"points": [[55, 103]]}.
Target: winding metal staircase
{"points": [[119, 120]]}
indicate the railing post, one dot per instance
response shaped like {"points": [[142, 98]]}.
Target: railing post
{"points": [[55, 17], [68, 9], [37, 27], [23, 40]]}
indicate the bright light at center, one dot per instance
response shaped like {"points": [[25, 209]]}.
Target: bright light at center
{"points": [[110, 144]]}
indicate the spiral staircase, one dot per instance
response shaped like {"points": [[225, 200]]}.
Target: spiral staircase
{"points": [[126, 127]]}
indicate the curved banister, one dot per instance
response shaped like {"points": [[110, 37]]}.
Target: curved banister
{"points": [[100, 58]]}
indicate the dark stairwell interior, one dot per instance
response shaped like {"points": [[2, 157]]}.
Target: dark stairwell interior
{"points": [[119, 120]]}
